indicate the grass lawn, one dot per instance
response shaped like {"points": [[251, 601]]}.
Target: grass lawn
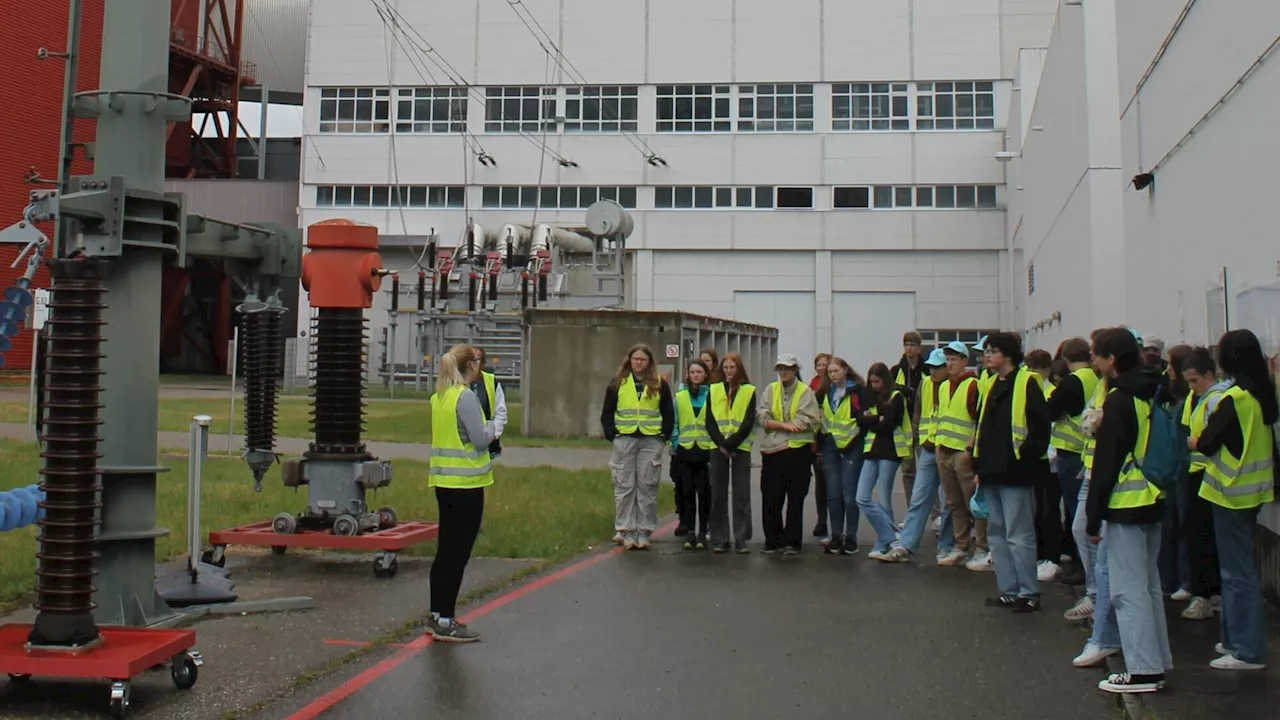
{"points": [[385, 421], [545, 513]]}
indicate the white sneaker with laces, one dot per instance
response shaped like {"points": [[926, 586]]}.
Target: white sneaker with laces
{"points": [[876, 555], [952, 558], [1082, 610], [1047, 570], [1199, 609], [1221, 649], [619, 538], [629, 542], [1231, 662], [898, 554], [1181, 596], [981, 562], [1093, 656]]}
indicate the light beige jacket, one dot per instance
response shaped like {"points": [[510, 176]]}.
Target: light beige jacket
{"points": [[808, 415]]}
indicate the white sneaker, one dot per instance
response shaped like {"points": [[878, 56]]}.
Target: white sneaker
{"points": [[1221, 650], [952, 558], [629, 542], [1181, 595], [896, 555], [1231, 662], [1064, 558], [981, 562], [1199, 609], [1047, 570], [937, 525], [1082, 610], [642, 541], [1093, 656], [826, 541], [876, 555], [902, 525]]}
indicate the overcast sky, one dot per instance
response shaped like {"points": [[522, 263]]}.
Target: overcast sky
{"points": [[282, 120]]}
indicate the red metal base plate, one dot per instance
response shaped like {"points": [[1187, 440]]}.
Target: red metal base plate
{"points": [[121, 654], [393, 539]]}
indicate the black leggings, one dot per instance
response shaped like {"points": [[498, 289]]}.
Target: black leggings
{"points": [[460, 514]]}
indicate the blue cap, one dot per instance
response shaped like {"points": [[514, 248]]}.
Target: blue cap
{"points": [[981, 345], [937, 358], [957, 347], [1136, 335]]}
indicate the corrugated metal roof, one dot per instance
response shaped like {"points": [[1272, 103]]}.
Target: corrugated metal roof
{"points": [[275, 39]]}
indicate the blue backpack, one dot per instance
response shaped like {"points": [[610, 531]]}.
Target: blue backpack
{"points": [[1168, 458]]}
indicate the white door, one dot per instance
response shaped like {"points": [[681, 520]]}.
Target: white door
{"points": [[793, 313], [867, 326]]}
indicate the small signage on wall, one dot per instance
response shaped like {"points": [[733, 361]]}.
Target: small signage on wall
{"points": [[673, 351]]}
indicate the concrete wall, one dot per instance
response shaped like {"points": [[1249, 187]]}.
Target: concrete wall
{"points": [[572, 355]]}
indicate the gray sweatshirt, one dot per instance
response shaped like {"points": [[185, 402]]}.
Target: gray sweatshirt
{"points": [[471, 424]]}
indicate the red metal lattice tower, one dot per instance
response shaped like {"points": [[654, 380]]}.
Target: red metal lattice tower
{"points": [[205, 64]]}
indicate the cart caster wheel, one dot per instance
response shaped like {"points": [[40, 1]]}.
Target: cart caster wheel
{"points": [[385, 566], [119, 699], [215, 556], [386, 518], [346, 526], [185, 670], [284, 524]]}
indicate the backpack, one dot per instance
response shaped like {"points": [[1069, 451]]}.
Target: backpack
{"points": [[1168, 458]]}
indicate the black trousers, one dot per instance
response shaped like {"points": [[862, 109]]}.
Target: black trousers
{"points": [[820, 490], [673, 470], [784, 480], [693, 487], [1049, 521], [1202, 551], [460, 515]]}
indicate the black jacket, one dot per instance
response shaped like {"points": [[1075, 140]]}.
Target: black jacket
{"points": [[732, 442], [883, 424], [1116, 437], [912, 376], [665, 405], [995, 463], [1068, 399]]}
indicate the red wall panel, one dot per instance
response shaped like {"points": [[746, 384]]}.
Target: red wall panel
{"points": [[31, 116]]}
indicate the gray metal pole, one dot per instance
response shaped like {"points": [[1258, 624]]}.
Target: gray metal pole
{"points": [[392, 321], [69, 79], [262, 135], [130, 142]]}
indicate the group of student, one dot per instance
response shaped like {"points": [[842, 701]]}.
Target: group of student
{"points": [[1144, 471]]}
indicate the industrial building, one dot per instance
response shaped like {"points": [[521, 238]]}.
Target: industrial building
{"points": [[826, 168], [1141, 163]]}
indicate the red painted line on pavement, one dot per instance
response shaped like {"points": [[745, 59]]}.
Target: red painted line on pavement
{"points": [[411, 649], [349, 643]]}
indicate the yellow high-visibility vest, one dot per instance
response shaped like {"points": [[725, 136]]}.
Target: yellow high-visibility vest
{"points": [[487, 409], [730, 419], [1195, 415], [1132, 489], [928, 411], [1096, 400], [901, 433], [636, 413], [839, 423], [955, 426], [1018, 420], [454, 463], [693, 425], [799, 439], [1067, 434], [1247, 481]]}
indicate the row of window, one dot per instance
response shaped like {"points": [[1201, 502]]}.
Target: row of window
{"points": [[665, 197], [679, 108]]}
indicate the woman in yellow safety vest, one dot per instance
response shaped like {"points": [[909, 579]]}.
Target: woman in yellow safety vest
{"points": [[731, 422], [1048, 490], [789, 414], [1203, 574], [460, 471], [1240, 444], [888, 442], [841, 395], [1070, 398], [638, 417], [1132, 507], [691, 448]]}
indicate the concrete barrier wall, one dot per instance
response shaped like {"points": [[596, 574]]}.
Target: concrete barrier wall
{"points": [[570, 356]]}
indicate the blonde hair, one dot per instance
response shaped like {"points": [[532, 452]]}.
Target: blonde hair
{"points": [[452, 364], [652, 383]]}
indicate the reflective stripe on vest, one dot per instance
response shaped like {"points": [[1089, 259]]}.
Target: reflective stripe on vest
{"points": [[693, 425], [1067, 434], [1018, 416], [955, 426], [1195, 415], [642, 414], [454, 463], [487, 403], [840, 424], [1132, 489], [1096, 400], [1245, 482], [730, 419], [928, 410], [799, 439], [901, 433]]}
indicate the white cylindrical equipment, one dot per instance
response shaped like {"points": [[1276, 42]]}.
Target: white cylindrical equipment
{"points": [[544, 236], [606, 218], [198, 449]]}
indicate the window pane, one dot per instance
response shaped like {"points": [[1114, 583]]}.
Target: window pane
{"points": [[662, 197], [627, 197], [684, 197], [945, 196], [764, 197], [703, 197], [852, 197], [795, 197], [489, 197], [324, 195], [744, 197], [924, 197], [884, 196], [966, 196], [986, 196], [902, 197], [724, 197]]}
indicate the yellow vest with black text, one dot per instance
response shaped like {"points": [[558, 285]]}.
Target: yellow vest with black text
{"points": [[1018, 417], [901, 433], [839, 424], [487, 409], [928, 411], [955, 426], [1132, 489], [692, 425], [1096, 400], [1067, 435], [455, 463], [1195, 415], [730, 419], [637, 413], [800, 439], [1245, 482]]}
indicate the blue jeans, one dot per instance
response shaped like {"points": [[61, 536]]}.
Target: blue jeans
{"points": [[1244, 624], [1088, 551], [1133, 553], [1011, 534], [841, 473], [923, 496], [1070, 469], [1106, 632], [874, 474]]}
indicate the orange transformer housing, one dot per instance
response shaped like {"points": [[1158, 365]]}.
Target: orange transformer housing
{"points": [[341, 269]]}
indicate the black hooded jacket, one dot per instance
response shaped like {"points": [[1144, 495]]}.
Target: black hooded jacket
{"points": [[995, 462], [1117, 435]]}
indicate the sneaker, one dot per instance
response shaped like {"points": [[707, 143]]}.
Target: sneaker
{"points": [[902, 526], [981, 562], [1093, 655], [1001, 601], [642, 542], [630, 542], [1181, 595], [849, 545], [1026, 605], [1063, 559], [619, 538], [937, 525], [433, 625], [833, 546], [1221, 649], [721, 549], [688, 545], [1124, 683], [790, 550], [1216, 601], [454, 632], [1231, 662], [952, 558], [897, 555], [701, 544], [1047, 570], [820, 530], [1199, 609], [740, 547], [1082, 610], [769, 549], [876, 555]]}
